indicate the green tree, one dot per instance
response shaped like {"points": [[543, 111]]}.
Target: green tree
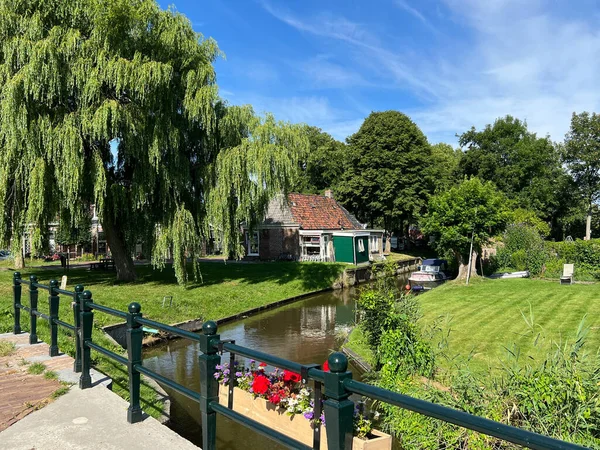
{"points": [[523, 166], [472, 210], [322, 165], [445, 165], [114, 102], [77, 231], [386, 180], [581, 155]]}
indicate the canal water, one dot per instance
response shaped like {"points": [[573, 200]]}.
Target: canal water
{"points": [[306, 331]]}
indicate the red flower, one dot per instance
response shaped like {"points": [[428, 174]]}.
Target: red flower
{"points": [[261, 385], [291, 376], [275, 399], [325, 366]]}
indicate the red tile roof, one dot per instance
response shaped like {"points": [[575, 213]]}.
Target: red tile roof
{"points": [[317, 212]]}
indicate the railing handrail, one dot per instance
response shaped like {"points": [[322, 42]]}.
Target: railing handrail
{"points": [[168, 328], [338, 383]]}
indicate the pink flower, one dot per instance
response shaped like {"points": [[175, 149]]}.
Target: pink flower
{"points": [[275, 399]]}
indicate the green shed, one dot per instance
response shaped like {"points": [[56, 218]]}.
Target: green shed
{"points": [[351, 247]]}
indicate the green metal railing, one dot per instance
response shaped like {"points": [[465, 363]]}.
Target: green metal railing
{"points": [[338, 383]]}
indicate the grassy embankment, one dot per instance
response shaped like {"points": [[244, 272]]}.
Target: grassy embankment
{"points": [[490, 316], [226, 289]]}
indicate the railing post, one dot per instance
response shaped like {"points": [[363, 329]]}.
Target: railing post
{"points": [[209, 387], [339, 410], [33, 306], [87, 323], [134, 353], [17, 302], [53, 300], [77, 322]]}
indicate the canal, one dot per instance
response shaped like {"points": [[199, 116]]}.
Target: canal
{"points": [[306, 331]]}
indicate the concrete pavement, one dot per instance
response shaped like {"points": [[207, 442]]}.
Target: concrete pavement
{"points": [[94, 418]]}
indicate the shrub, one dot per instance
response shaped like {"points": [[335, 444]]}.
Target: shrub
{"points": [[389, 318], [87, 257], [523, 249]]}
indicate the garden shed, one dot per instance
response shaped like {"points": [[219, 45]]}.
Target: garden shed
{"points": [[351, 246]]}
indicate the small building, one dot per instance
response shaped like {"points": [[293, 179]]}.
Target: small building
{"points": [[309, 227]]}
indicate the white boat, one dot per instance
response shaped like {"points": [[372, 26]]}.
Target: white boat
{"points": [[522, 274], [430, 274]]}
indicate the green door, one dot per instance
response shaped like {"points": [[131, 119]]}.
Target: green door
{"points": [[342, 246], [362, 256]]}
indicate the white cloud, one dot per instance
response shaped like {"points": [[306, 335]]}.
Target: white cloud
{"points": [[527, 59], [321, 73], [371, 52], [405, 6]]}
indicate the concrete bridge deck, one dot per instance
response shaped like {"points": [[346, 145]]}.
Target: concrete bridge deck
{"points": [[94, 418]]}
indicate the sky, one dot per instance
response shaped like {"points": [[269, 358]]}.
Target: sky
{"points": [[448, 64]]}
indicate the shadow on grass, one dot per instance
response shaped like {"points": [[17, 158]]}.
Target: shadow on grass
{"points": [[313, 276]]}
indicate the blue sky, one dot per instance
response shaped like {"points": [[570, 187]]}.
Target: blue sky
{"points": [[448, 64]]}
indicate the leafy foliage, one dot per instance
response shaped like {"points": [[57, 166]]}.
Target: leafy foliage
{"points": [[524, 167], [523, 249], [445, 165], [473, 208], [387, 177], [321, 167], [115, 103], [389, 317]]}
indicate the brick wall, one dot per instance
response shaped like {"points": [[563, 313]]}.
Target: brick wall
{"points": [[275, 241]]}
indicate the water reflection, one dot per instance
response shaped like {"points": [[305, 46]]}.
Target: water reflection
{"points": [[306, 332]]}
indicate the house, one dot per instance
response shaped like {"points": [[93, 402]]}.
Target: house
{"points": [[309, 227]]}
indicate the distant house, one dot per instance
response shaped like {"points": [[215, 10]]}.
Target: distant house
{"points": [[310, 227]]}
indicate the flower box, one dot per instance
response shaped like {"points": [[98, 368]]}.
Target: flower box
{"points": [[296, 426]]}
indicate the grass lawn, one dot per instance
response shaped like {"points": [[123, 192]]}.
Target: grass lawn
{"points": [[226, 289], [486, 317], [358, 343]]}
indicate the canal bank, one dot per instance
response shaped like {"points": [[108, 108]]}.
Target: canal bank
{"points": [[351, 277], [305, 331]]}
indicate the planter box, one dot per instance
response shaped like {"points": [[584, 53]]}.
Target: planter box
{"points": [[296, 427]]}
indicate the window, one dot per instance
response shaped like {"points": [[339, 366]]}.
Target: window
{"points": [[374, 244], [253, 240], [361, 245], [310, 245]]}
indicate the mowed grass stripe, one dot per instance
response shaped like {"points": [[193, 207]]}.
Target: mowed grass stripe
{"points": [[486, 316]]}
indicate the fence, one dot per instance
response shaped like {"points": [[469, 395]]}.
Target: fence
{"points": [[338, 383]]}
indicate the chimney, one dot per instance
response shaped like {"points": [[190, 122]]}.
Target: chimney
{"points": [[329, 193]]}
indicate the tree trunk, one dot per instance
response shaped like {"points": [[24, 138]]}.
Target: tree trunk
{"points": [[588, 225], [19, 261], [463, 265], [118, 249]]}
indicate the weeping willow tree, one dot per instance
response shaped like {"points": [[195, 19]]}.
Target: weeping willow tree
{"points": [[115, 103]]}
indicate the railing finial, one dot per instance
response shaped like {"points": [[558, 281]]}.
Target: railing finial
{"points": [[17, 276], [338, 362], [209, 328], [79, 288], [134, 308]]}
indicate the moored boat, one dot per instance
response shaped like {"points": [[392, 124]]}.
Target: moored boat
{"points": [[430, 274]]}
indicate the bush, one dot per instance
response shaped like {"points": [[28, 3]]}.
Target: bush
{"points": [[87, 257], [389, 318], [523, 249]]}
